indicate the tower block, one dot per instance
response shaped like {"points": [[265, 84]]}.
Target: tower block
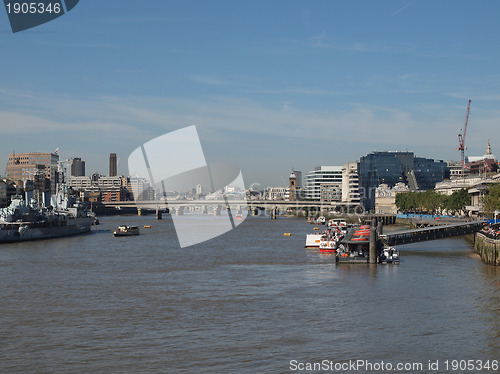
{"points": [[292, 195]]}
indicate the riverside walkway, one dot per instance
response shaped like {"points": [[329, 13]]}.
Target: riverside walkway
{"points": [[434, 232]]}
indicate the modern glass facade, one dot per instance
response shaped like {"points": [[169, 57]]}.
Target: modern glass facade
{"points": [[429, 172], [397, 167]]}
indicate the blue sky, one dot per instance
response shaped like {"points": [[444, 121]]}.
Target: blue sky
{"points": [[271, 85]]}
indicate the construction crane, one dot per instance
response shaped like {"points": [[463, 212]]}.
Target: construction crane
{"points": [[461, 140]]}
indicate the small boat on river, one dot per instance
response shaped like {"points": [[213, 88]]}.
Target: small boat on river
{"points": [[126, 231], [389, 255]]}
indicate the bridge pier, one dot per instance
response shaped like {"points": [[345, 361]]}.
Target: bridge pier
{"points": [[274, 212], [373, 245], [380, 227]]}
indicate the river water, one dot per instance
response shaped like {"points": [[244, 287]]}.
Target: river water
{"points": [[250, 301]]}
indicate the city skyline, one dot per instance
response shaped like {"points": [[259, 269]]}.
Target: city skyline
{"points": [[103, 172], [272, 86]]}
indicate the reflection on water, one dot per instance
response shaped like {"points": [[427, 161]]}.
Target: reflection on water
{"points": [[248, 301]]}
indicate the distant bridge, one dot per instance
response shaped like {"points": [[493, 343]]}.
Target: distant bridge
{"points": [[311, 208], [261, 204]]}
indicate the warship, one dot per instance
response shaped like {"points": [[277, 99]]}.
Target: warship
{"points": [[30, 219]]}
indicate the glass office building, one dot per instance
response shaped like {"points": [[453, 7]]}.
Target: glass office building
{"points": [[397, 167]]}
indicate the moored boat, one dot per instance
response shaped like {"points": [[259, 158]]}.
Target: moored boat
{"points": [[30, 219], [20, 222], [329, 245], [389, 255], [313, 240]]}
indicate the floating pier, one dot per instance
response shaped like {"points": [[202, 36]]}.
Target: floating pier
{"points": [[370, 249], [433, 232]]}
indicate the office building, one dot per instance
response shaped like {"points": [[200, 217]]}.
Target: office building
{"points": [[298, 177], [200, 189], [76, 167], [105, 189], [391, 168], [141, 190], [350, 183], [455, 169], [324, 183], [23, 167], [276, 193], [113, 165]]}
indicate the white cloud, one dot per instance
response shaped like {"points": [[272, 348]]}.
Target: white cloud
{"points": [[252, 133]]}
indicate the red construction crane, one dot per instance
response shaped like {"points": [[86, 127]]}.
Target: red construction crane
{"points": [[461, 140]]}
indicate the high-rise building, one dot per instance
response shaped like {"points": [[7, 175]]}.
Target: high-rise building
{"points": [[141, 189], [298, 176], [292, 189], [29, 167], [350, 183], [391, 168], [112, 165], [324, 183], [77, 167]]}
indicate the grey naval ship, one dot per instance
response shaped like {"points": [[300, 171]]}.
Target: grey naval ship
{"points": [[26, 219]]}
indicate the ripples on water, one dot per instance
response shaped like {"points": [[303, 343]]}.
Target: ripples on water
{"points": [[248, 301]]}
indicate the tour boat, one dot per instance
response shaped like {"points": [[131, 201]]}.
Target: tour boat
{"points": [[313, 240], [330, 244]]}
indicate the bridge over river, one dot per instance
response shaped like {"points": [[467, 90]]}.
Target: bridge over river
{"points": [[305, 208]]}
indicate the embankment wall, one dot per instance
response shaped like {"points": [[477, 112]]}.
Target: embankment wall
{"points": [[488, 249]]}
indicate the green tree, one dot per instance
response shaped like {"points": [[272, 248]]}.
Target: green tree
{"points": [[457, 201], [431, 201], [401, 203], [406, 202], [491, 201], [417, 202]]}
